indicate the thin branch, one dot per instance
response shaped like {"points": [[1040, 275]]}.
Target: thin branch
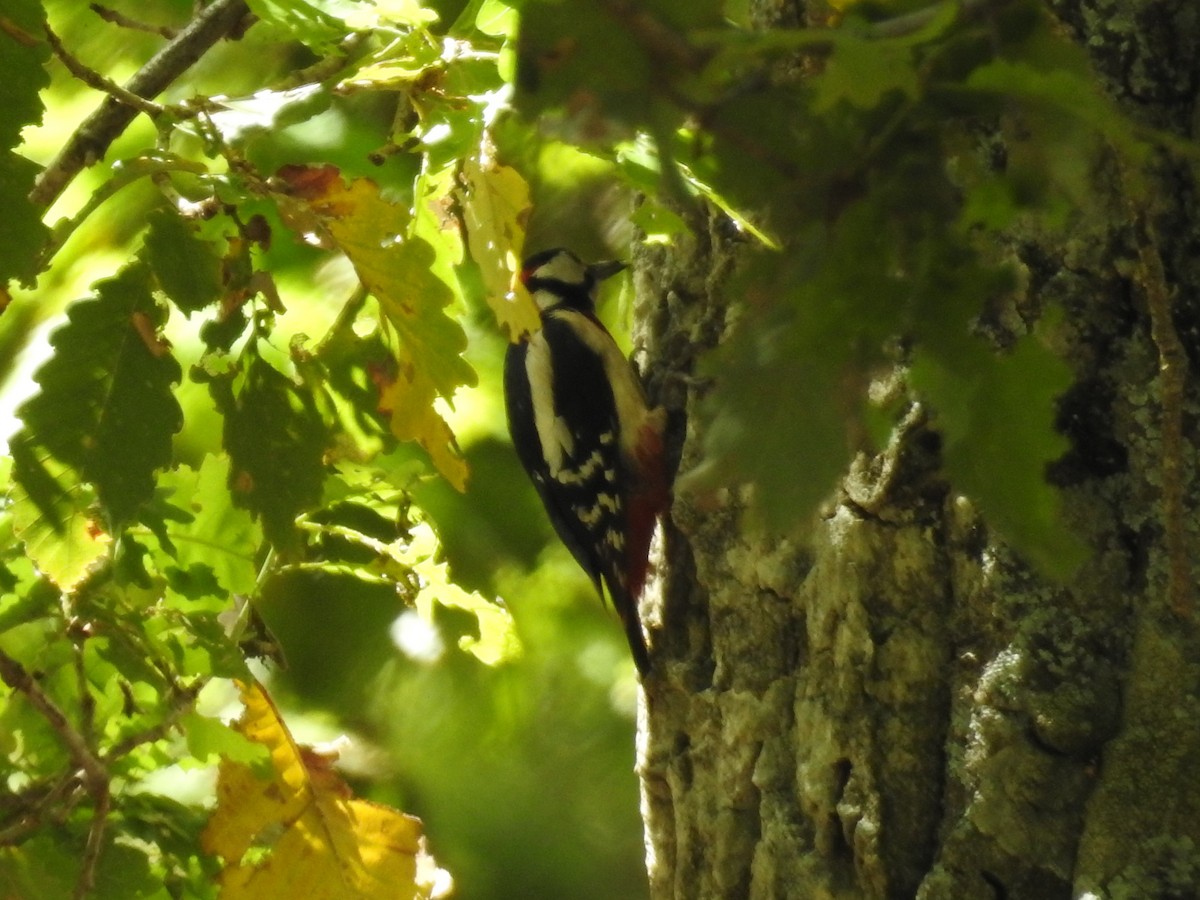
{"points": [[102, 798], [37, 801], [94, 79], [184, 700], [18, 678], [119, 18], [92, 139]]}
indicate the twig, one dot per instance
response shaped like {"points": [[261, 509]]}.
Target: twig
{"points": [[183, 702], [94, 79], [92, 139], [16, 677], [95, 842], [38, 799], [95, 775], [119, 18]]}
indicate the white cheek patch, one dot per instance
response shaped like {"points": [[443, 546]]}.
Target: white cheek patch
{"points": [[556, 439], [564, 267], [546, 299]]}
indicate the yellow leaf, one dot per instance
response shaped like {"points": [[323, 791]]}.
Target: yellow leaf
{"points": [[408, 400], [401, 270], [301, 833], [496, 207]]}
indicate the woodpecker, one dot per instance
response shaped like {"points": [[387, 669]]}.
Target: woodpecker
{"points": [[585, 435]]}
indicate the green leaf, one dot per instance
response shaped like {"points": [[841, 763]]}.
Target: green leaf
{"points": [[209, 738], [996, 414], [276, 442], [23, 54], [863, 72], [816, 321], [43, 867], [24, 233], [106, 406], [306, 22], [219, 535], [188, 269]]}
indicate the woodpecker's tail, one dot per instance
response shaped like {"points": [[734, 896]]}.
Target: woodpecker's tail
{"points": [[626, 607]]}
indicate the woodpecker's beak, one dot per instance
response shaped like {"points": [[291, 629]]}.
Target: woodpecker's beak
{"points": [[607, 269]]}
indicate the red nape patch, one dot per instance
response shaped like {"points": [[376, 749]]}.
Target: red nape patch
{"points": [[525, 274]]}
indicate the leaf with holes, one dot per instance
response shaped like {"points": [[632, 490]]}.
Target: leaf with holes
{"points": [[496, 207]]}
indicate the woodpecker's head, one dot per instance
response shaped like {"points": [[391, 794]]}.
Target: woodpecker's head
{"points": [[559, 277]]}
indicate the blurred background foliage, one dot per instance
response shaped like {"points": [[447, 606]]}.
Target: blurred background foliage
{"points": [[250, 377], [518, 759]]}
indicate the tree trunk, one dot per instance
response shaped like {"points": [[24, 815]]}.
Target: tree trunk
{"points": [[901, 707]]}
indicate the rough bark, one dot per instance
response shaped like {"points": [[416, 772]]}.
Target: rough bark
{"points": [[901, 707]]}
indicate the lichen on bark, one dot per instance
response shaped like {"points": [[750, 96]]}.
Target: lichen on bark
{"points": [[901, 706]]}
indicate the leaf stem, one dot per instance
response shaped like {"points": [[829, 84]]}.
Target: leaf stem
{"points": [[94, 79]]}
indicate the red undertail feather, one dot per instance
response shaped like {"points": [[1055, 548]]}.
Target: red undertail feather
{"points": [[647, 501]]}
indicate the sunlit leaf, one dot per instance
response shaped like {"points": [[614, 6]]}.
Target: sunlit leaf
{"points": [[239, 117], [303, 21], [496, 207], [54, 514], [495, 17], [660, 224], [106, 405], [398, 270], [209, 738], [301, 832], [220, 536], [391, 12], [497, 640]]}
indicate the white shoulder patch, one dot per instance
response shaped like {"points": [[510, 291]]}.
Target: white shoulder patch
{"points": [[556, 439]]}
